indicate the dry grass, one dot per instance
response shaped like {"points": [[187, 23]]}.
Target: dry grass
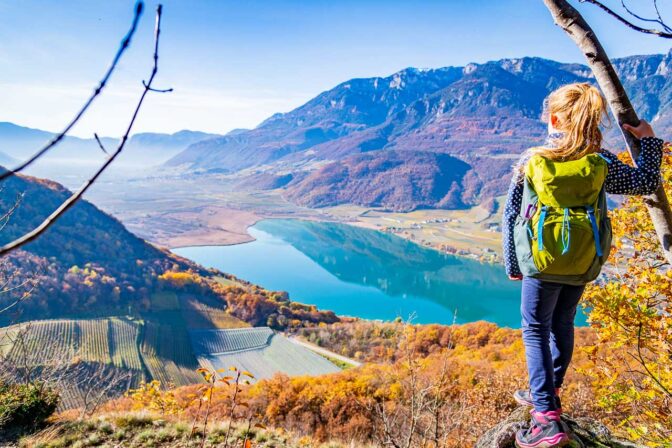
{"points": [[142, 429]]}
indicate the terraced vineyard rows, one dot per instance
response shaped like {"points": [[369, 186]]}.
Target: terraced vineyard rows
{"points": [[220, 341], [124, 349], [162, 351], [258, 350], [44, 342], [168, 355], [93, 342]]}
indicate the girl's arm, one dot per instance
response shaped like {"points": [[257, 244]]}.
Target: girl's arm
{"points": [[511, 211], [640, 180]]}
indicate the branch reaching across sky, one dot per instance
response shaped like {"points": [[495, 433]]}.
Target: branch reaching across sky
{"points": [[125, 43], [70, 201], [664, 32]]}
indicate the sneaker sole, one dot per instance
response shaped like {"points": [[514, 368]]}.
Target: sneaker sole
{"points": [[557, 440]]}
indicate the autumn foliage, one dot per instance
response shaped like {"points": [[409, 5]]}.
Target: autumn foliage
{"points": [[432, 385], [632, 314]]}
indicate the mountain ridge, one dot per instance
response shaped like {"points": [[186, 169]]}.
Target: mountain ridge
{"points": [[19, 142], [483, 114]]}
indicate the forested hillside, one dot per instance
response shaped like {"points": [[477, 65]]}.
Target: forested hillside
{"points": [[482, 114], [89, 303]]}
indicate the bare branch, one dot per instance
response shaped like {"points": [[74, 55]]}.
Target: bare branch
{"points": [[623, 20], [157, 90], [88, 183], [100, 144], [23, 297], [125, 42], [659, 20], [8, 214]]}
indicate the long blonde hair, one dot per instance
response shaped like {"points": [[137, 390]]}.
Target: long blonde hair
{"points": [[580, 109]]}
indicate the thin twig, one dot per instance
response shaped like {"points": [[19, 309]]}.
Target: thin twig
{"points": [[157, 90], [88, 183], [125, 43], [23, 297], [8, 214], [100, 144], [659, 20], [642, 361], [626, 22]]}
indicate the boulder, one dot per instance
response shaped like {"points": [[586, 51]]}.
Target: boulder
{"points": [[585, 433]]}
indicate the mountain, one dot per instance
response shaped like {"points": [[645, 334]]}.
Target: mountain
{"points": [[20, 142], [154, 148], [86, 262], [483, 114], [422, 179], [6, 160]]}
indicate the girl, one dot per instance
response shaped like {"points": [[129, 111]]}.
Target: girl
{"points": [[548, 308]]}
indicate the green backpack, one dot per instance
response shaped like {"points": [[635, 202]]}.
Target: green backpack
{"points": [[563, 232]]}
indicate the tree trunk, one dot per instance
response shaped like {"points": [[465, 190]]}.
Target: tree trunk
{"points": [[571, 21]]}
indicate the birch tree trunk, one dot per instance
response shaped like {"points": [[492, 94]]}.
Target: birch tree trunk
{"points": [[571, 21]]}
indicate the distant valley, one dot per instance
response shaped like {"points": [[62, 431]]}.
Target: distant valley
{"points": [[75, 157], [437, 139]]}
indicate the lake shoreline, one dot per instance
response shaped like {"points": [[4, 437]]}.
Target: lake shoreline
{"points": [[213, 236], [344, 268]]}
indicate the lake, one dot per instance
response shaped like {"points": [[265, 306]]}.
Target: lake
{"points": [[366, 273]]}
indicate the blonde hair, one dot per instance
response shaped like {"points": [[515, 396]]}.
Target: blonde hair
{"points": [[580, 109]]}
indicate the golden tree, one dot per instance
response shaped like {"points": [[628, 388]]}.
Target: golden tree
{"points": [[632, 313]]}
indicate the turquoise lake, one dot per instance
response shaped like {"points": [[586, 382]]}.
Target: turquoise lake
{"points": [[366, 273]]}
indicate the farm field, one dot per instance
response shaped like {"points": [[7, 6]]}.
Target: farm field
{"points": [[167, 354], [106, 341], [107, 348], [76, 353], [473, 231], [257, 350], [180, 218]]}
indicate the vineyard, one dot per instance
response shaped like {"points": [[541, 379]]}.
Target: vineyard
{"points": [[122, 349], [220, 341], [257, 350], [168, 355], [199, 314]]}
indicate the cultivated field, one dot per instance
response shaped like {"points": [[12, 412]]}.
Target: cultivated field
{"points": [[205, 210], [257, 350], [75, 352], [473, 231]]}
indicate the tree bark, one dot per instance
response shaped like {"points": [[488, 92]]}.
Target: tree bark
{"points": [[571, 21]]}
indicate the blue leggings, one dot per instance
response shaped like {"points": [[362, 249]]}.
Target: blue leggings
{"points": [[548, 311]]}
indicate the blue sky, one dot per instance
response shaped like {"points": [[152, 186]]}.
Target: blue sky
{"points": [[233, 63]]}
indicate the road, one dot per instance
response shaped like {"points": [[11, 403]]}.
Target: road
{"points": [[324, 351]]}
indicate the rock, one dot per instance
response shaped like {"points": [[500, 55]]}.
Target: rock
{"points": [[585, 433]]}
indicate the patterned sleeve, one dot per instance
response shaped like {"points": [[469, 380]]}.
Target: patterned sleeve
{"points": [[511, 210], [640, 180]]}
